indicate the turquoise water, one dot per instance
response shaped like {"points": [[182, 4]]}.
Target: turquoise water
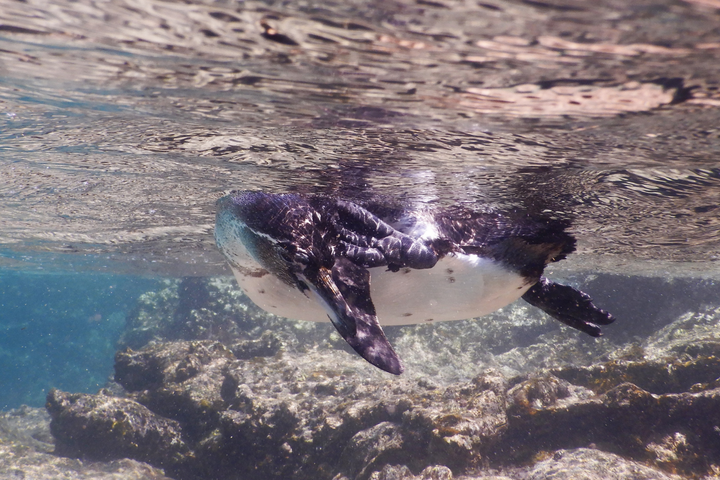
{"points": [[60, 330]]}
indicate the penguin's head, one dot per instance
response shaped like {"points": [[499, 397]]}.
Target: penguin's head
{"points": [[273, 230]]}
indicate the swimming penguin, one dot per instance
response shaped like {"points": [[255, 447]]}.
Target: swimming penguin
{"points": [[317, 258]]}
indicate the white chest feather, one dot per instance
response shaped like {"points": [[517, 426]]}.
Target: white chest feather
{"points": [[457, 288]]}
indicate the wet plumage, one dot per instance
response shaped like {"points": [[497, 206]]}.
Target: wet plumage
{"points": [[317, 258]]}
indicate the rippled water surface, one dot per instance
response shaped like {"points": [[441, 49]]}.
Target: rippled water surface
{"points": [[122, 122]]}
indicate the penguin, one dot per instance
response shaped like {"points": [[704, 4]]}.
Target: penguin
{"points": [[320, 258]]}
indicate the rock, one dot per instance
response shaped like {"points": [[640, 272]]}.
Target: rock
{"points": [[675, 431], [389, 472], [289, 400], [235, 414], [152, 316], [370, 448], [163, 364], [204, 412], [267, 345], [392, 472], [668, 375], [27, 426], [401, 472], [436, 472], [591, 464], [109, 428], [26, 443], [21, 463], [178, 380], [577, 464], [694, 333]]}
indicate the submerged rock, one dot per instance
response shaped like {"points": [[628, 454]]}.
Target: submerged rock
{"points": [[200, 412], [577, 464], [592, 464], [675, 431], [511, 395], [26, 446], [108, 428]]}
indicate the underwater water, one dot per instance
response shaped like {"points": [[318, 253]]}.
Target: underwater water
{"points": [[60, 330], [122, 123]]}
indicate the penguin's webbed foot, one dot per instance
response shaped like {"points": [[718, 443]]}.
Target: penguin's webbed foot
{"points": [[568, 305]]}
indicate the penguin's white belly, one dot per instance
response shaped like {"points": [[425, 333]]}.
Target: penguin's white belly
{"points": [[457, 288], [275, 296]]}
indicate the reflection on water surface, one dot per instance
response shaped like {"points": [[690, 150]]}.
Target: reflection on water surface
{"points": [[123, 122]]}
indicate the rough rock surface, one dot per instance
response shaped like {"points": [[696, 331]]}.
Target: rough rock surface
{"points": [[577, 464], [312, 416], [25, 453], [192, 308], [510, 396], [587, 464], [127, 429]]}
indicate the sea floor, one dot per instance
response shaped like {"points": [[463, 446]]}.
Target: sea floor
{"points": [[208, 386]]}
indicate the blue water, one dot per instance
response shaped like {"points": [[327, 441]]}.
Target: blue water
{"points": [[60, 330]]}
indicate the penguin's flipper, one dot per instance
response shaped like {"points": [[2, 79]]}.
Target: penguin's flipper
{"points": [[344, 291], [572, 307]]}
